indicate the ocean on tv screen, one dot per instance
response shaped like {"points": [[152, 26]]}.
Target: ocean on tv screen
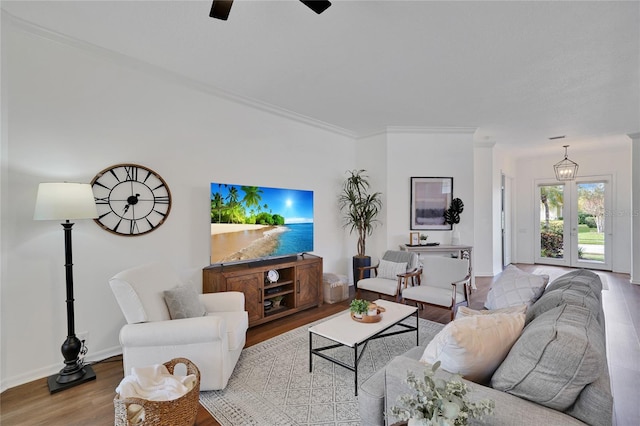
{"points": [[253, 222]]}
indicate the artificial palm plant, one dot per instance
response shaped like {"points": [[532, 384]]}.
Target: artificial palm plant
{"points": [[360, 207]]}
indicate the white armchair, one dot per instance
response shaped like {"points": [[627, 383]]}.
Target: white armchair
{"points": [[213, 342], [445, 282], [391, 274]]}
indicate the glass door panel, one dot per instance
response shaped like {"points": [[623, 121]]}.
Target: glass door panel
{"points": [[590, 235], [552, 247]]}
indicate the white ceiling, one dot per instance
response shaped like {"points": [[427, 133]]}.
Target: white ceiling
{"points": [[520, 72]]}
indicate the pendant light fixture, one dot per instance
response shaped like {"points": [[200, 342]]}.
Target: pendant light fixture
{"points": [[566, 169]]}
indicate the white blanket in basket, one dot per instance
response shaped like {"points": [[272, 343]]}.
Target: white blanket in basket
{"points": [[155, 383]]}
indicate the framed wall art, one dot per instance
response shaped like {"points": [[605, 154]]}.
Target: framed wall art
{"points": [[414, 238], [430, 197]]}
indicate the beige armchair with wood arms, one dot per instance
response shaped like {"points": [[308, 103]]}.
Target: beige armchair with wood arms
{"points": [[391, 274], [445, 282]]}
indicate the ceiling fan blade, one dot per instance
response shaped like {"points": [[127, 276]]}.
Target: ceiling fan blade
{"points": [[318, 6], [220, 9]]}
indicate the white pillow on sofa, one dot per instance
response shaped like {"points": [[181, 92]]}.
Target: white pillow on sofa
{"points": [[515, 287], [475, 346]]}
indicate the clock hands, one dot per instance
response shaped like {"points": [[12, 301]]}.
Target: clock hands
{"points": [[131, 201]]}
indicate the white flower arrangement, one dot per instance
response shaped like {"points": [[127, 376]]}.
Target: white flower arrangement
{"points": [[438, 402]]}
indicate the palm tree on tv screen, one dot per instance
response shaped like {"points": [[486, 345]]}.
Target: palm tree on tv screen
{"points": [[251, 197]]}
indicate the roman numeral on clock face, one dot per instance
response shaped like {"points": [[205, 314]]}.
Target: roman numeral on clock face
{"points": [[131, 173]]}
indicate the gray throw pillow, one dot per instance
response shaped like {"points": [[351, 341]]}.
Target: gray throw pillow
{"points": [[557, 355], [515, 287], [183, 302]]}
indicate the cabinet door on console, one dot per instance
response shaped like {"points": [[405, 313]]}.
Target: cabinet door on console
{"points": [[307, 277], [251, 286]]}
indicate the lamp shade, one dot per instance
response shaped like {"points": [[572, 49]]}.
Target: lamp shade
{"points": [[65, 201]]}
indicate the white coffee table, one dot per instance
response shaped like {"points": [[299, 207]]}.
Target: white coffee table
{"points": [[345, 331]]}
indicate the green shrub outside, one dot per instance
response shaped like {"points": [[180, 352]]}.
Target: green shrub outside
{"points": [[551, 239], [587, 219], [591, 222], [552, 242]]}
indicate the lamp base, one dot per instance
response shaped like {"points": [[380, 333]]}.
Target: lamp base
{"points": [[54, 386]]}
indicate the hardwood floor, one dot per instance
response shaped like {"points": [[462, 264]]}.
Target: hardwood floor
{"points": [[92, 403]]}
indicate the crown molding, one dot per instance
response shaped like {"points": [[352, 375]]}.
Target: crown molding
{"points": [[170, 76], [430, 130], [418, 130]]}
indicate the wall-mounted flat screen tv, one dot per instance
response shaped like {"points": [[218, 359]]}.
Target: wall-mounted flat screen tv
{"points": [[250, 223]]}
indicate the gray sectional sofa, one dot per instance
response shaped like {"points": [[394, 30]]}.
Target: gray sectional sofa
{"points": [[556, 373]]}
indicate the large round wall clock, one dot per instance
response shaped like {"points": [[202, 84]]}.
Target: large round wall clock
{"points": [[131, 199]]}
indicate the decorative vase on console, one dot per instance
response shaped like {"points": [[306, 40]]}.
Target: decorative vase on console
{"points": [[452, 217], [455, 236]]}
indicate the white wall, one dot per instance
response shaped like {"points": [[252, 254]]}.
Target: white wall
{"points": [[69, 113], [506, 166], [425, 153], [487, 198], [615, 161], [635, 208]]}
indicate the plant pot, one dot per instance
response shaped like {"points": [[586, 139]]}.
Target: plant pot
{"points": [[361, 262]]}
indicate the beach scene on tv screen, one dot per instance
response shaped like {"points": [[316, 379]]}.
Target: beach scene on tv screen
{"points": [[255, 222]]}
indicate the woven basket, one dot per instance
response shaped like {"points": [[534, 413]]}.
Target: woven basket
{"points": [[177, 412]]}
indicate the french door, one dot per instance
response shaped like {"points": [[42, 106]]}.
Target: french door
{"points": [[572, 226]]}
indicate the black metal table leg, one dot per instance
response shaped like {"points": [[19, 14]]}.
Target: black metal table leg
{"points": [[355, 362], [310, 352], [417, 329]]}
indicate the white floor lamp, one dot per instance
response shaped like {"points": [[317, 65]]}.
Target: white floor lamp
{"points": [[65, 201]]}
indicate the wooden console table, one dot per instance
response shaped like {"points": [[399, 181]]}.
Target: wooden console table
{"points": [[298, 287], [462, 251]]}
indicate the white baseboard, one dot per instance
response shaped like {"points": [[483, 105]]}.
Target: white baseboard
{"points": [[484, 274], [30, 376]]}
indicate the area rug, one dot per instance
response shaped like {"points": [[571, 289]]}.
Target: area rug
{"points": [[272, 385]]}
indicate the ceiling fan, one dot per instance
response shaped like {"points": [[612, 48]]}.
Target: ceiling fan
{"points": [[220, 8]]}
